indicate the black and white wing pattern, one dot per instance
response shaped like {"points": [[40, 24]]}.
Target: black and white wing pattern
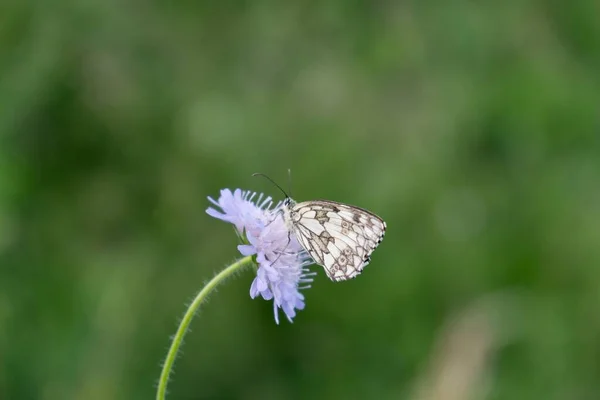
{"points": [[338, 236]]}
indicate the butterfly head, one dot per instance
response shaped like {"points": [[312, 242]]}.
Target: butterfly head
{"points": [[288, 202]]}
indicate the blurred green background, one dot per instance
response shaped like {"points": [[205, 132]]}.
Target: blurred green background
{"points": [[471, 128]]}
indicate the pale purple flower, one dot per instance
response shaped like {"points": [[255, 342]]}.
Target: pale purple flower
{"points": [[281, 260]]}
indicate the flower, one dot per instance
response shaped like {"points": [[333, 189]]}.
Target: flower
{"points": [[281, 259]]}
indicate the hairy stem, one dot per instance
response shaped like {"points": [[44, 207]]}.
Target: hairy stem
{"points": [[187, 318]]}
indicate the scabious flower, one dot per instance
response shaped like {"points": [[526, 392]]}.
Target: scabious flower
{"points": [[281, 260]]}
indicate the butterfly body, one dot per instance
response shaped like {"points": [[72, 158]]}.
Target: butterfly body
{"points": [[339, 237]]}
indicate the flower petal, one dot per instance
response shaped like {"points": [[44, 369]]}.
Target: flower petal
{"points": [[246, 249]]}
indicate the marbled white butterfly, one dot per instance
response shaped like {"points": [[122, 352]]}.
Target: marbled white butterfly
{"points": [[339, 237]]}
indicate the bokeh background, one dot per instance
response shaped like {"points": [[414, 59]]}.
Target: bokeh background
{"points": [[471, 127]]}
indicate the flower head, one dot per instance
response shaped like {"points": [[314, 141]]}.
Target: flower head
{"points": [[281, 260]]}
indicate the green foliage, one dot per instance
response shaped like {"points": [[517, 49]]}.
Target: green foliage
{"points": [[472, 129]]}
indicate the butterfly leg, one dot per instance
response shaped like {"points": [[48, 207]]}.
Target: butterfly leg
{"points": [[283, 251], [271, 221]]}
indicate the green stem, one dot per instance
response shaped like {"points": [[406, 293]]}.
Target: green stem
{"points": [[187, 318]]}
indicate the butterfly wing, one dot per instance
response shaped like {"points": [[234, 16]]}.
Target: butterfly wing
{"points": [[339, 237]]}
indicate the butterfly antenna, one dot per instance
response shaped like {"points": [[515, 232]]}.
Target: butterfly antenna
{"points": [[290, 180], [272, 181]]}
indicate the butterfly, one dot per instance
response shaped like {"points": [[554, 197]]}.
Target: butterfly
{"points": [[339, 237]]}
